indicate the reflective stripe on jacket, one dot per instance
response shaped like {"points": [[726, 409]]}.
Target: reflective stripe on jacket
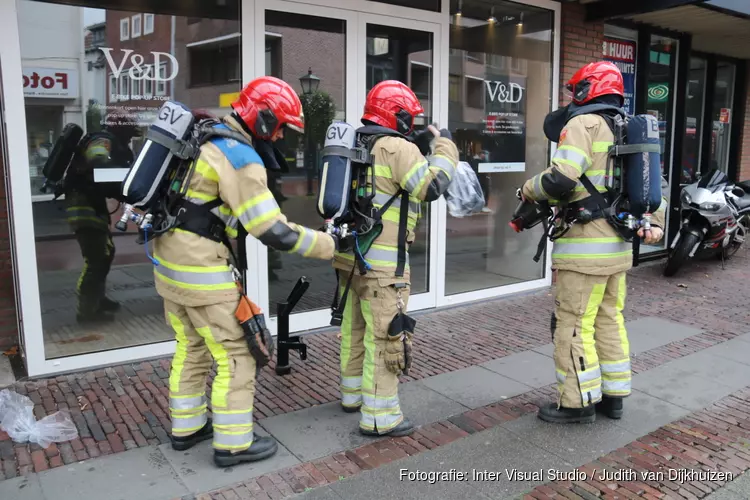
{"points": [[193, 270], [398, 164], [593, 248]]}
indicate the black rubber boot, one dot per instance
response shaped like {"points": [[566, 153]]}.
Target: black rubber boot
{"points": [[109, 305], [611, 407], [93, 317], [351, 409], [551, 413], [182, 443], [262, 448], [403, 429]]}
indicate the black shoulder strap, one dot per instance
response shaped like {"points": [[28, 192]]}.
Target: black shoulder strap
{"points": [[403, 220]]}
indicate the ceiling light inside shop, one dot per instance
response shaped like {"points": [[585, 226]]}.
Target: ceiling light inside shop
{"points": [[492, 18]]}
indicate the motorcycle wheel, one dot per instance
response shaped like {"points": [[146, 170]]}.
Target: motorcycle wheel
{"points": [[680, 255], [737, 241]]}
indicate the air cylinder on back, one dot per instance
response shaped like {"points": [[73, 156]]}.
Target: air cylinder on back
{"points": [[336, 174], [643, 170], [173, 122], [62, 153]]}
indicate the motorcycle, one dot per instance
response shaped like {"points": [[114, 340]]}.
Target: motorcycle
{"points": [[715, 220]]}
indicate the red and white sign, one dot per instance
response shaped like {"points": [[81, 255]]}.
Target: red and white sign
{"points": [[726, 115], [50, 83]]}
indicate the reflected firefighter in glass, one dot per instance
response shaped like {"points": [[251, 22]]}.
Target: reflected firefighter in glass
{"points": [[199, 289], [371, 356], [88, 215], [592, 354]]}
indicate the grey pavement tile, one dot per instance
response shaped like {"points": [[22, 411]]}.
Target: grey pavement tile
{"points": [[744, 338], [547, 349], [421, 405], [475, 386], [695, 381], [644, 413], [197, 470], [649, 333], [495, 451], [528, 367], [735, 349], [316, 432], [726, 494], [575, 443], [143, 473], [22, 488], [322, 493]]}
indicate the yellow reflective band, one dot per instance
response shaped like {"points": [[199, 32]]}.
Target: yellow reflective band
{"points": [[591, 256], [587, 336], [368, 372], [180, 355], [568, 147], [206, 171], [220, 386], [415, 177], [383, 171], [191, 269], [622, 291], [571, 163], [601, 146], [609, 239], [179, 284], [258, 210], [199, 196]]}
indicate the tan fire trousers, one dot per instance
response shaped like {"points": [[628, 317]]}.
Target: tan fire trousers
{"points": [[203, 334], [370, 307], [592, 352]]}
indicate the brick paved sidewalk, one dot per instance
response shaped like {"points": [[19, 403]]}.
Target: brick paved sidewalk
{"points": [[127, 406]]}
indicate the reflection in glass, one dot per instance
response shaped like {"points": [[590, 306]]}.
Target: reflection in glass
{"points": [[406, 55], [696, 90], [721, 119], [296, 45], [131, 63], [660, 94], [500, 88]]}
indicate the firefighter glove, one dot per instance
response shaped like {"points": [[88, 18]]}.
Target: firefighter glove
{"points": [[398, 349]]}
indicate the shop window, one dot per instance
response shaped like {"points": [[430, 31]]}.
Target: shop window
{"points": [[214, 66], [162, 68], [420, 80], [694, 104], [125, 29], [431, 5], [148, 24], [496, 127], [454, 88], [721, 116], [475, 92], [137, 19]]}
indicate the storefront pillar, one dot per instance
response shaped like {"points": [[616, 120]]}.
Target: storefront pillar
{"points": [[743, 170], [8, 314]]}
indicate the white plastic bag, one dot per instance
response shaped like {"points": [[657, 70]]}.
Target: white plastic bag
{"points": [[17, 419], [464, 195]]}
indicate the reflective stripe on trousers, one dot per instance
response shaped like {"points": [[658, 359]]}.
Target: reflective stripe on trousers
{"points": [[592, 248], [616, 377], [351, 391], [233, 430], [194, 277]]}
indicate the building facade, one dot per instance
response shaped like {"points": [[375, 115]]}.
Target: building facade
{"points": [[489, 70]]}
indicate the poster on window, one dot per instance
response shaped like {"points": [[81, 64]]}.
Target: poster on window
{"points": [[623, 53], [504, 125]]}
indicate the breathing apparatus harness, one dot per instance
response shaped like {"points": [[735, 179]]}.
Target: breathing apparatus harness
{"points": [[363, 221], [612, 205]]}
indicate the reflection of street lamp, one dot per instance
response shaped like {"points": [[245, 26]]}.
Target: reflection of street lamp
{"points": [[310, 84]]}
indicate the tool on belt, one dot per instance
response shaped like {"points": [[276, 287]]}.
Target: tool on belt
{"points": [[398, 350], [258, 338]]}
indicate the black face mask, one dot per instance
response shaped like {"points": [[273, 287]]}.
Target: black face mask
{"points": [[272, 158]]}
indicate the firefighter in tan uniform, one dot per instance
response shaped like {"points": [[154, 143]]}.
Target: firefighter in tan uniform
{"points": [[371, 359], [592, 355], [198, 286], [88, 214]]}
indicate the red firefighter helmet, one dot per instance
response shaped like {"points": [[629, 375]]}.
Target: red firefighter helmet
{"points": [[595, 80], [266, 104], [393, 105]]}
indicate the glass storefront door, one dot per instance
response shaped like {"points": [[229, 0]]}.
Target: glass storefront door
{"points": [[501, 70], [721, 116], [95, 284], [694, 104], [660, 78]]}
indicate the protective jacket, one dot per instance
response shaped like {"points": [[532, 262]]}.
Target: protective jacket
{"points": [[86, 202], [594, 248], [194, 270], [399, 165]]}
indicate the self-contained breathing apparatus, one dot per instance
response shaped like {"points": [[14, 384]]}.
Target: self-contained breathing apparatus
{"points": [[155, 191], [347, 191], [632, 182]]}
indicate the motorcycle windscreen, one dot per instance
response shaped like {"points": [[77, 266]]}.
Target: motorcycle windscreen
{"points": [[336, 174], [713, 179], [643, 170]]}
